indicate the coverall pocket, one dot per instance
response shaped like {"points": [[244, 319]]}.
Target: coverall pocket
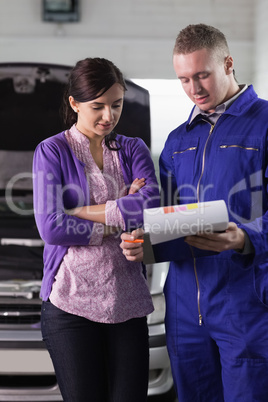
{"points": [[185, 154], [244, 194]]}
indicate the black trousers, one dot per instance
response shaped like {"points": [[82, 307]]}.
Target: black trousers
{"points": [[94, 361]]}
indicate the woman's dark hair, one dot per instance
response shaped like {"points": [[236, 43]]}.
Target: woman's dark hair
{"points": [[88, 80]]}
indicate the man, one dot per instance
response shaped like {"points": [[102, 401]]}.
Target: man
{"points": [[217, 286]]}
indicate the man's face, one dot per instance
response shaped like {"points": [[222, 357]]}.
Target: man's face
{"points": [[207, 81]]}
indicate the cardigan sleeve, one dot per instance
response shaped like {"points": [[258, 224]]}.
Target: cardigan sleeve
{"points": [[141, 165], [55, 189]]}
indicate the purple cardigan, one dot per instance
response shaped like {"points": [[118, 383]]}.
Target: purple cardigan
{"points": [[59, 183]]}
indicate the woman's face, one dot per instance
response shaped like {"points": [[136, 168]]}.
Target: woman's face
{"points": [[97, 118]]}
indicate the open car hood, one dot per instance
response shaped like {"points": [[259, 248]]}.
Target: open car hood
{"points": [[30, 100], [31, 96]]}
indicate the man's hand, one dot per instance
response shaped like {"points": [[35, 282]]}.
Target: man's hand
{"points": [[132, 251], [232, 239]]}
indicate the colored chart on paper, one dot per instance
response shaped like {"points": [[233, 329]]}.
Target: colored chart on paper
{"points": [[178, 208], [174, 221]]}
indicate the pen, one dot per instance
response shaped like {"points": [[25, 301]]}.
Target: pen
{"points": [[135, 241]]}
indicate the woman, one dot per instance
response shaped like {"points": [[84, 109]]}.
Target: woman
{"points": [[95, 302]]}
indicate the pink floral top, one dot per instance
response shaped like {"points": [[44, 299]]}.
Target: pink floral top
{"points": [[96, 281]]}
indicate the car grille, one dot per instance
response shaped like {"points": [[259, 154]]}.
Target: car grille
{"points": [[19, 314], [26, 381]]}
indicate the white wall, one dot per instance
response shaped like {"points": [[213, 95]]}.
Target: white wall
{"points": [[138, 35], [260, 54]]}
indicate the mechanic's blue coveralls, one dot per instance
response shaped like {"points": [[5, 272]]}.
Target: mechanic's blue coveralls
{"points": [[217, 304]]}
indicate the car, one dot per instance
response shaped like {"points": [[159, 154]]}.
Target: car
{"points": [[30, 100]]}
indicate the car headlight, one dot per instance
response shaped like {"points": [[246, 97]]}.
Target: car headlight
{"points": [[158, 315]]}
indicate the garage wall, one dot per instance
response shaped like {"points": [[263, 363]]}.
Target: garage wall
{"points": [[260, 54], [138, 35]]}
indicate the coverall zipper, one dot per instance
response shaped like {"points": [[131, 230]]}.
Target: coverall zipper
{"points": [[198, 199], [203, 159], [198, 289]]}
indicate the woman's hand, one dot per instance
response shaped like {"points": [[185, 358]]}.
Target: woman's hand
{"points": [[132, 251], [136, 185], [232, 239]]}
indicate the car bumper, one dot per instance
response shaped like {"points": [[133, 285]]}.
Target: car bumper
{"points": [[160, 377]]}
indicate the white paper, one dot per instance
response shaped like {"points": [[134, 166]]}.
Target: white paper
{"points": [[169, 223]]}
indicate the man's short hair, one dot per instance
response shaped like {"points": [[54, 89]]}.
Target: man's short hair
{"points": [[200, 36]]}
